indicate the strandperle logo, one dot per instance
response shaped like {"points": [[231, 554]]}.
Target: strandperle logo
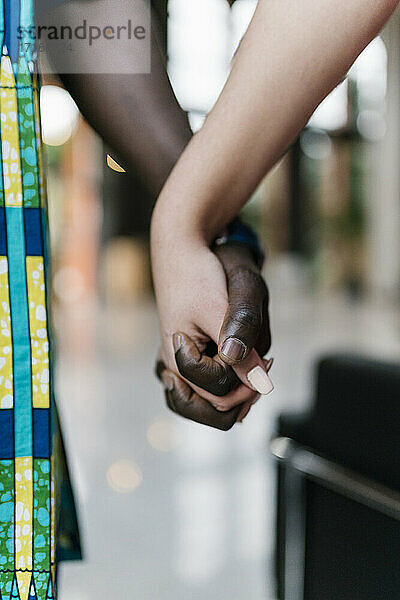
{"points": [[106, 36], [84, 31]]}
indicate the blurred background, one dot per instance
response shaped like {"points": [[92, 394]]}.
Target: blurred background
{"points": [[169, 509]]}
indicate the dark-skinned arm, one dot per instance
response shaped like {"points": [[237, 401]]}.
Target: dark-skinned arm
{"points": [[140, 118], [137, 115]]}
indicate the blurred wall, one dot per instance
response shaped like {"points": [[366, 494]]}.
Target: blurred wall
{"points": [[384, 182]]}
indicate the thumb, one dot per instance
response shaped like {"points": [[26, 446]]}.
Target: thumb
{"points": [[243, 321], [243, 328]]}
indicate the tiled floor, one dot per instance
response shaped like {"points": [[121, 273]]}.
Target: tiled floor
{"points": [[171, 510]]}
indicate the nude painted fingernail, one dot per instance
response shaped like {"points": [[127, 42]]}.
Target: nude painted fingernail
{"points": [[233, 349], [177, 341], [260, 381]]}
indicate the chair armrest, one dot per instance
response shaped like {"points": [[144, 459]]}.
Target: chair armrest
{"points": [[339, 479]]}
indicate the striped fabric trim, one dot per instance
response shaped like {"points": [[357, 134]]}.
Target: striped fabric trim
{"points": [[27, 504]]}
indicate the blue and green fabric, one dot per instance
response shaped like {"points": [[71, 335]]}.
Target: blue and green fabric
{"points": [[31, 450]]}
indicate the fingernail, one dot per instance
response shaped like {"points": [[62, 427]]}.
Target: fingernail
{"points": [[268, 364], [168, 381], [177, 341], [260, 381], [233, 349]]}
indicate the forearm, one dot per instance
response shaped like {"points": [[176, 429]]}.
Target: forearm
{"points": [[136, 114], [288, 62]]}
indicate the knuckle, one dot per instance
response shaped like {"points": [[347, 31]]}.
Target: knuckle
{"points": [[244, 274], [247, 317], [222, 406], [169, 401], [186, 365], [183, 369], [212, 377], [188, 404], [223, 385], [227, 425]]}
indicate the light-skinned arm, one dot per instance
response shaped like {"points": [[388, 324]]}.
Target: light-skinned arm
{"points": [[293, 54]]}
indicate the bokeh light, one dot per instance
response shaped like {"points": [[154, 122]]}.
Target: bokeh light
{"points": [[59, 115], [163, 436], [124, 476]]}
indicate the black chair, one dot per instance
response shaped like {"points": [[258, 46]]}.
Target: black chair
{"points": [[338, 516]]}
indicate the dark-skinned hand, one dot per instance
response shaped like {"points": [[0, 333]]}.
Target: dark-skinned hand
{"points": [[203, 368]]}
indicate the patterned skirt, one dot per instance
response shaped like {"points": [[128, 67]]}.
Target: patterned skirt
{"points": [[38, 525]]}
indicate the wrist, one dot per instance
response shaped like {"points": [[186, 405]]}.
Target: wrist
{"points": [[172, 224], [172, 240], [239, 234]]}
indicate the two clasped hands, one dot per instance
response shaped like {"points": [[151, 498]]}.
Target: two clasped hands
{"points": [[215, 327]]}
